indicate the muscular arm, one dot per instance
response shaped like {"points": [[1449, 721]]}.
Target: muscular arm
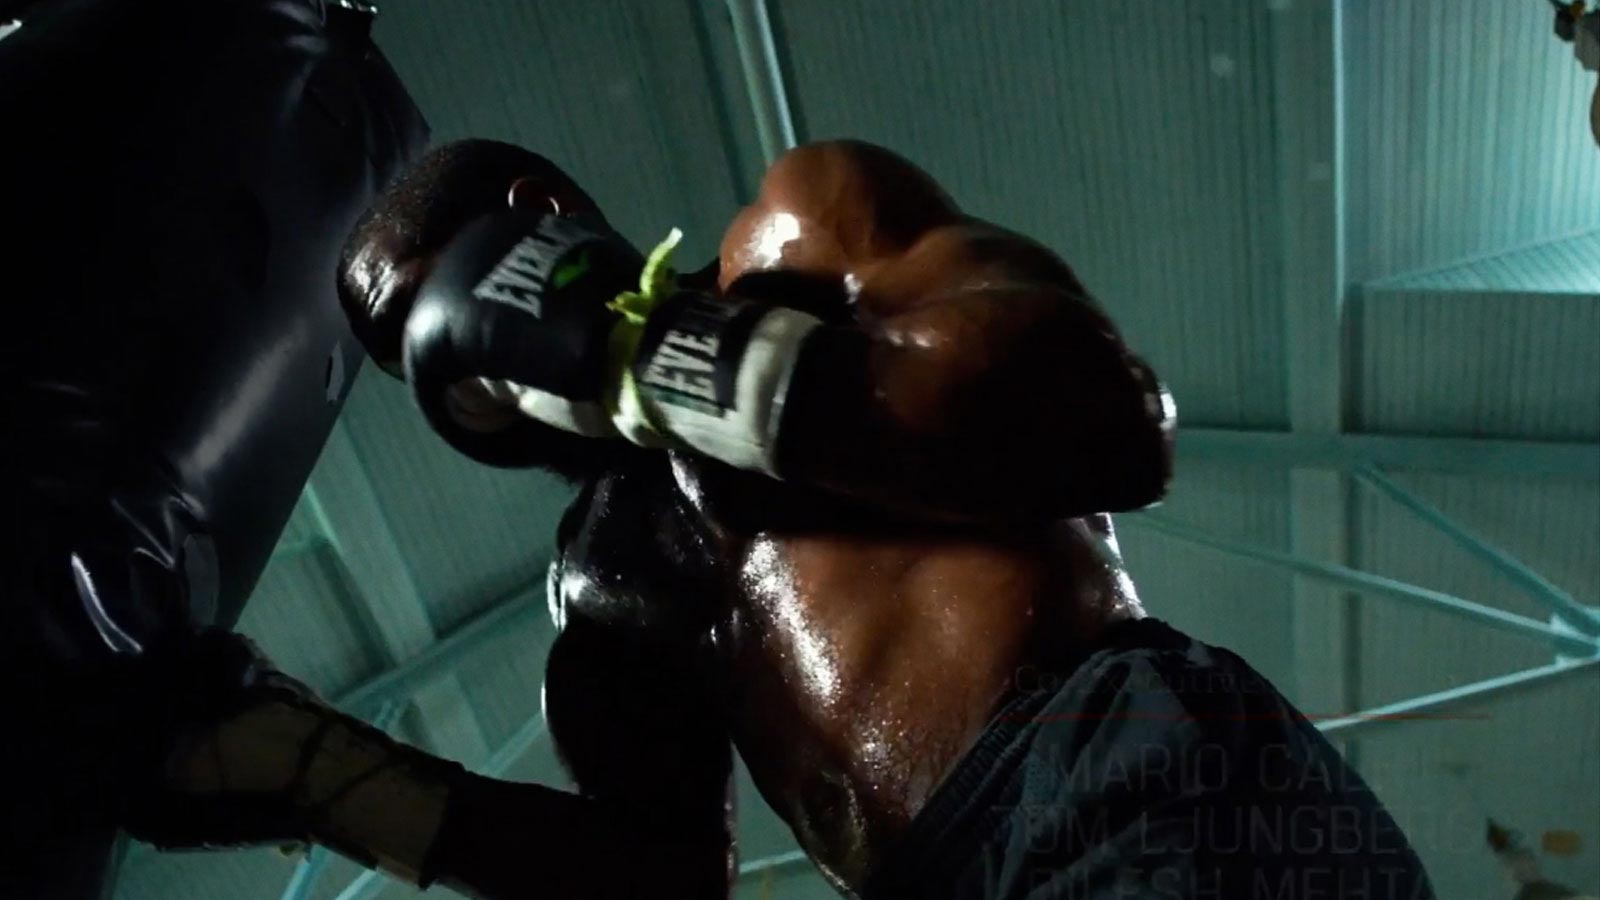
{"points": [[252, 757], [976, 377], [648, 750]]}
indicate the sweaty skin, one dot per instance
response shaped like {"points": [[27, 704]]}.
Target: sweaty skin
{"points": [[929, 550]]}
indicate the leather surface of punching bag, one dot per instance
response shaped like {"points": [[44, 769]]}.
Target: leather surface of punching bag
{"points": [[177, 179]]}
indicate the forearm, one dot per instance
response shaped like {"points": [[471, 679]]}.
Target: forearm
{"points": [[973, 380], [1049, 421], [969, 376], [420, 819], [277, 766], [506, 840]]}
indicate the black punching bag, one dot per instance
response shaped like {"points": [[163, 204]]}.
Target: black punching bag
{"points": [[176, 181], [179, 178]]}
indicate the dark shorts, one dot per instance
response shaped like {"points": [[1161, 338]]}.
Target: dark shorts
{"points": [[1158, 767]]}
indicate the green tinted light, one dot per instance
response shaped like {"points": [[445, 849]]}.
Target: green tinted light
{"points": [[571, 270]]}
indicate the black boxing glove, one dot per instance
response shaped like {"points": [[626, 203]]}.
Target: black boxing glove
{"points": [[518, 299], [539, 312]]}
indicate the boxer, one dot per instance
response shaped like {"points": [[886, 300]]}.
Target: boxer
{"points": [[845, 489]]}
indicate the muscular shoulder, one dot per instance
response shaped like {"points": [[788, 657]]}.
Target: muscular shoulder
{"points": [[838, 207], [833, 206], [851, 173]]}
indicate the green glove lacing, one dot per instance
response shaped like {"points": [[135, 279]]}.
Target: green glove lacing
{"points": [[656, 283]]}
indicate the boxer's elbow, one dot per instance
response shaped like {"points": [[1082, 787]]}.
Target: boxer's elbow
{"points": [[1111, 456], [1135, 441], [1136, 470], [1064, 422]]}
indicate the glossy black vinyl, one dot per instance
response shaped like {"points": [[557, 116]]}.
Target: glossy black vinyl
{"points": [[176, 181]]}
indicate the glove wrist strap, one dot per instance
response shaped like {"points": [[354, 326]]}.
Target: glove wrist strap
{"points": [[711, 374]]}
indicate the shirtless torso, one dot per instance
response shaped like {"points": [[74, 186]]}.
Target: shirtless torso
{"points": [[861, 644], [859, 663]]}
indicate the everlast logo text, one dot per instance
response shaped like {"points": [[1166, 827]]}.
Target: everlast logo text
{"points": [[519, 278], [683, 366], [684, 363]]}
